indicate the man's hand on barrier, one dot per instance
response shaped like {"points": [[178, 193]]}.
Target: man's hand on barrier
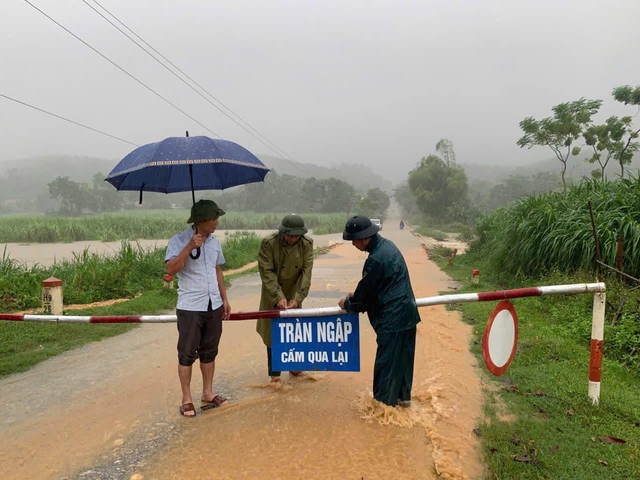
{"points": [[282, 304], [341, 302], [293, 304]]}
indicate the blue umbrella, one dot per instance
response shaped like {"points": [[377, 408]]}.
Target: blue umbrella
{"points": [[182, 164]]}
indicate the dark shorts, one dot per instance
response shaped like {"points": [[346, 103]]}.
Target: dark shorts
{"points": [[198, 335]]}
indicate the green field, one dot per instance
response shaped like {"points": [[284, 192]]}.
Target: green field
{"points": [[142, 224]]}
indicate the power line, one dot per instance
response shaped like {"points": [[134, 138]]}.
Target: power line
{"points": [[295, 164], [187, 76], [271, 145], [122, 69], [183, 73], [68, 120]]}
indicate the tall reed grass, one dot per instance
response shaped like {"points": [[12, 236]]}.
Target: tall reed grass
{"points": [[553, 231], [90, 277], [143, 225]]}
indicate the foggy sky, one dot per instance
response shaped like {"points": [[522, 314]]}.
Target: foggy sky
{"points": [[374, 82]]}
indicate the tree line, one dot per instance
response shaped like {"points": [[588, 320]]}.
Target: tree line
{"points": [[278, 193], [289, 193]]}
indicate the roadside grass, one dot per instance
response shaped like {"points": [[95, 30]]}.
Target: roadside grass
{"points": [[320, 223], [228, 279], [554, 230], [425, 221], [454, 227], [25, 344], [90, 277], [539, 423], [433, 233], [240, 248]]}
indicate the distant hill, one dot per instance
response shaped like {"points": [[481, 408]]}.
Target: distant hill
{"points": [[78, 168], [360, 176], [25, 179], [577, 168]]}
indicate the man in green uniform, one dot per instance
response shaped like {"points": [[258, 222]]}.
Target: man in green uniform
{"points": [[285, 261], [386, 295]]}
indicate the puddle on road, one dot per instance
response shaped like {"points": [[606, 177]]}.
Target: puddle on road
{"points": [[308, 430]]}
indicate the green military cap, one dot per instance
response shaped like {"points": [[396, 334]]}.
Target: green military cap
{"points": [[204, 210], [292, 225]]}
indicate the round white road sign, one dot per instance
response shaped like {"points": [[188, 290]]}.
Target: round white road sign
{"points": [[500, 338]]}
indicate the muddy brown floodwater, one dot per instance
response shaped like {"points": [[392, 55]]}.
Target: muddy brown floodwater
{"points": [[46, 254], [76, 416]]}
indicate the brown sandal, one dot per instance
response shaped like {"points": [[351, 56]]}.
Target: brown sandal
{"points": [[215, 402], [188, 407]]}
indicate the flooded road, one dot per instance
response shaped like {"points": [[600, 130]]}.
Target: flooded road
{"points": [[110, 409], [46, 254]]}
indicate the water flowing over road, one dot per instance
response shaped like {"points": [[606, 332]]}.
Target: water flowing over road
{"points": [[110, 409], [46, 254]]}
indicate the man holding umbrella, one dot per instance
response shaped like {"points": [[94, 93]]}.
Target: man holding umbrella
{"points": [[187, 164], [285, 261], [202, 301], [386, 295]]}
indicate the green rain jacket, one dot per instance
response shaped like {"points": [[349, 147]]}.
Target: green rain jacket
{"points": [[385, 291], [285, 271]]}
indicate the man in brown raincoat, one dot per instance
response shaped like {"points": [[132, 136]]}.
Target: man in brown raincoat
{"points": [[285, 261]]}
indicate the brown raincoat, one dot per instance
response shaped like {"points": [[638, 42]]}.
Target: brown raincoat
{"points": [[285, 271]]}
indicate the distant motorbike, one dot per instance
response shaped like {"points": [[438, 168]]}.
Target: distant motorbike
{"points": [[401, 225]]}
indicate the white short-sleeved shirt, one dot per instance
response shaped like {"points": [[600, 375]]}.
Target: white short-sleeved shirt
{"points": [[197, 281]]}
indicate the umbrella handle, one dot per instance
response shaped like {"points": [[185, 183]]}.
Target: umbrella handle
{"points": [[193, 197]]}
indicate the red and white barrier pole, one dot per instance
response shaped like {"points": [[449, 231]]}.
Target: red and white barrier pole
{"points": [[597, 337], [319, 312], [597, 330], [516, 293]]}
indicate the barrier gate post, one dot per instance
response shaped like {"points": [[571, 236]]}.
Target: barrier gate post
{"points": [[597, 336]]}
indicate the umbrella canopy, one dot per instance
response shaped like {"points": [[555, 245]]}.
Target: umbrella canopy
{"points": [[182, 164]]}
